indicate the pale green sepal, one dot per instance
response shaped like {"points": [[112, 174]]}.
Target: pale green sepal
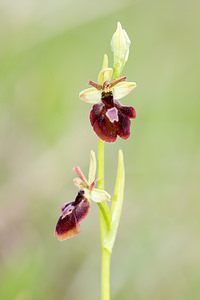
{"points": [[98, 195], [92, 168], [116, 204], [122, 89], [105, 75], [120, 46], [90, 95]]}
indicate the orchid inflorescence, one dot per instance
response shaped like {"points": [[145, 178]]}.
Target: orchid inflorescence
{"points": [[109, 119]]}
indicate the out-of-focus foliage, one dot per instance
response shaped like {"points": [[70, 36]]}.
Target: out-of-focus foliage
{"points": [[48, 52]]}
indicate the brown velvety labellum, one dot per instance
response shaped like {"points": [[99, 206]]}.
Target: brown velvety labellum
{"points": [[73, 213], [110, 118]]}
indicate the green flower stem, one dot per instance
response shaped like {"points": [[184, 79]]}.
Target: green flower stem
{"points": [[100, 163], [104, 216], [105, 274]]}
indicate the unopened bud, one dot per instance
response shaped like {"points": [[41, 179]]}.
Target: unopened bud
{"points": [[120, 46]]}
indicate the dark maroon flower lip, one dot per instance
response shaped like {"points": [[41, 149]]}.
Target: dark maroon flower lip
{"points": [[72, 214], [110, 118]]}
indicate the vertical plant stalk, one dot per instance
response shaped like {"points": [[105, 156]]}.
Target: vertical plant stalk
{"points": [[104, 216]]}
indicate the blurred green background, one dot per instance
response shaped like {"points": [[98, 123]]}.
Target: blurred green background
{"points": [[49, 50]]}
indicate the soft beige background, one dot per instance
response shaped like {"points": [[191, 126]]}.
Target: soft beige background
{"points": [[48, 52]]}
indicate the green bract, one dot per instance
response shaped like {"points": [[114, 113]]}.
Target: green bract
{"points": [[116, 204]]}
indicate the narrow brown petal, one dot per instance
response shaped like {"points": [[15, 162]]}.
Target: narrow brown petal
{"points": [[116, 81], [95, 85]]}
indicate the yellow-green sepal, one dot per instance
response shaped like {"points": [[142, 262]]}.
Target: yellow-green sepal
{"points": [[90, 95], [98, 195], [122, 89]]}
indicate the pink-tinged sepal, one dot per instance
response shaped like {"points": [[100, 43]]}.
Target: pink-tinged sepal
{"points": [[80, 174], [72, 214]]}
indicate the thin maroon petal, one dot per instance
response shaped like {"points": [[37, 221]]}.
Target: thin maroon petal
{"points": [[116, 81], [95, 85]]}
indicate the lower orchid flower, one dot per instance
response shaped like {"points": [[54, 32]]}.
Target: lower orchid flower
{"points": [[75, 211], [72, 214]]}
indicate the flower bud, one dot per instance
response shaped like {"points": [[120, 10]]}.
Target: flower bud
{"points": [[120, 46]]}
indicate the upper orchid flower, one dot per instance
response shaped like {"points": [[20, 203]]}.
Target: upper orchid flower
{"points": [[109, 118], [75, 211]]}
